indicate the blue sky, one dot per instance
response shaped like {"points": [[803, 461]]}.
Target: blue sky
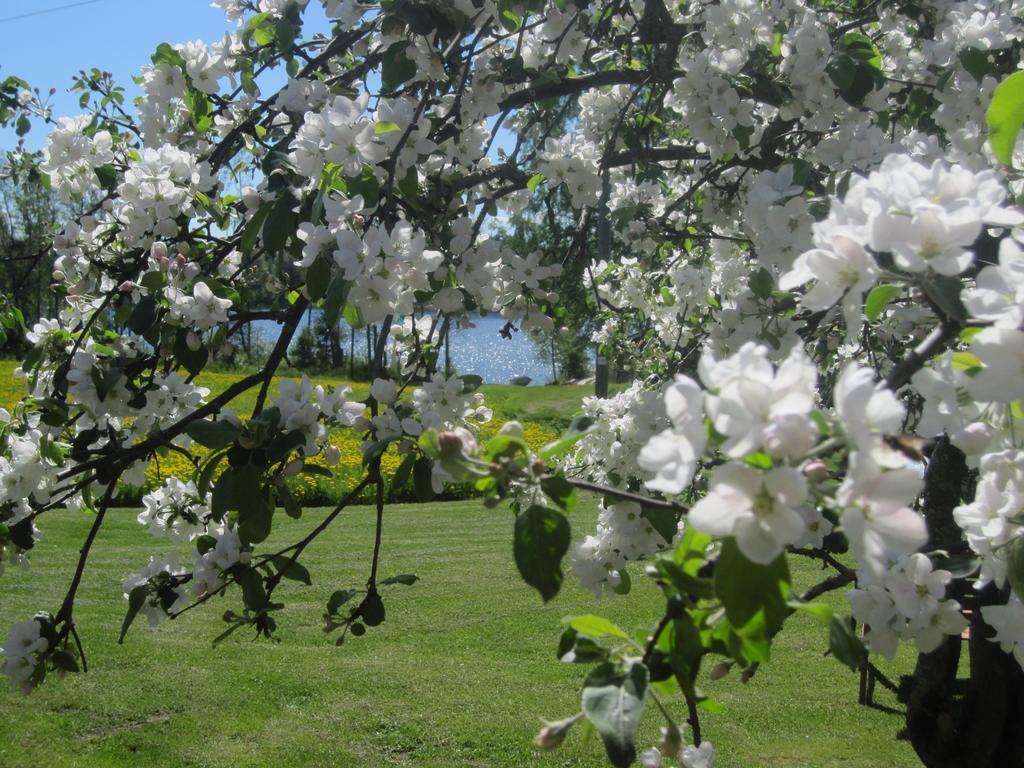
{"points": [[54, 39], [48, 49]]}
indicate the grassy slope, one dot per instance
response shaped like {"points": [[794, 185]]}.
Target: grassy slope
{"points": [[457, 676]]}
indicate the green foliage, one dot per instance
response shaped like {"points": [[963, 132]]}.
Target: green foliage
{"points": [[613, 700], [1005, 116], [541, 539], [755, 599], [878, 299]]}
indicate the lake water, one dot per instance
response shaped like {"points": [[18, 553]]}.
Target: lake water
{"points": [[480, 350]]}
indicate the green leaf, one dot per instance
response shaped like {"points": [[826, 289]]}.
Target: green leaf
{"points": [[192, 360], [1005, 116], [976, 63], [281, 223], [339, 598], [844, 643], [820, 611], [253, 229], [614, 701], [143, 315], [662, 520], [206, 473], [534, 182], [238, 488], [292, 570], [372, 612], [574, 648], [401, 477], [470, 383], [541, 539], [386, 126], [291, 505], [1015, 565], [691, 551], [213, 434], [761, 283], [166, 54], [562, 446], [336, 294], [944, 291], [136, 599], [318, 278], [421, 480], [684, 583], [685, 652], [860, 47], [560, 491], [254, 595], [878, 299], [396, 67], [960, 566], [755, 597], [595, 626], [407, 579]]}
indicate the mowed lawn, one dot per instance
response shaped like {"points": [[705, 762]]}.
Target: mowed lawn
{"points": [[459, 674]]}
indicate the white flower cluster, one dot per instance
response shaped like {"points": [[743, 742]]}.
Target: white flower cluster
{"points": [[175, 510], [71, 156], [208, 568], [158, 576], [689, 756], [573, 162], [909, 604], [622, 424], [623, 534], [158, 188], [21, 653], [925, 216], [386, 268], [308, 409], [996, 516], [342, 134], [442, 403]]}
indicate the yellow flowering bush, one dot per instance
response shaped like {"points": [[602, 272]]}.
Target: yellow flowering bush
{"points": [[308, 488]]}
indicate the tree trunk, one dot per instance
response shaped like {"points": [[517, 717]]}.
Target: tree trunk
{"points": [[982, 725]]}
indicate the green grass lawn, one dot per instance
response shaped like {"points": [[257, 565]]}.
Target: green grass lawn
{"points": [[458, 675]]}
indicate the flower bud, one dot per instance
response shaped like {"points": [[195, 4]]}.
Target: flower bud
{"points": [[292, 468], [815, 471], [107, 205], [159, 250], [184, 249], [451, 444], [512, 429], [251, 198], [671, 740], [552, 735], [384, 391], [332, 455], [192, 341], [126, 286]]}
